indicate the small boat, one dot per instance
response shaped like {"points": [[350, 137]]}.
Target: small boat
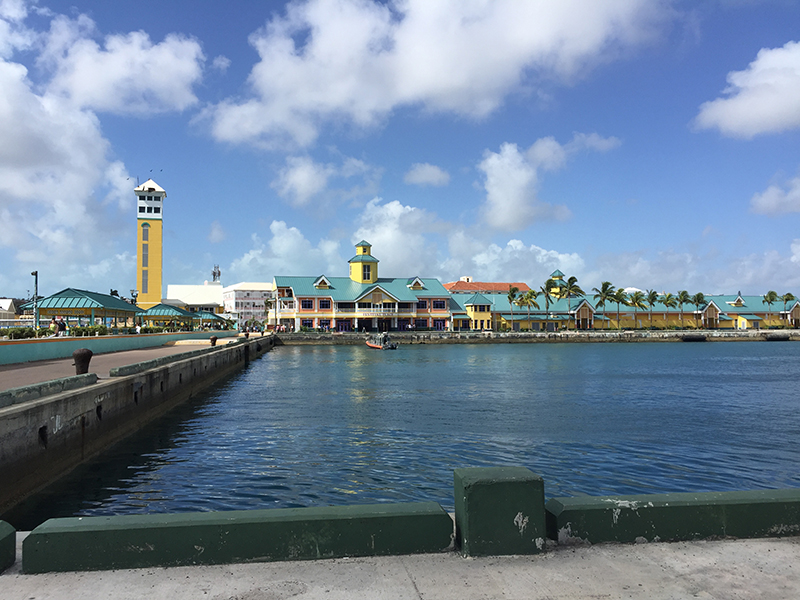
{"points": [[381, 342]]}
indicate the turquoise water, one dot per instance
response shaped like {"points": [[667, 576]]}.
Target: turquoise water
{"points": [[322, 425]]}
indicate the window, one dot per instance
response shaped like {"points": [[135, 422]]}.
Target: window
{"points": [[156, 209], [149, 209], [145, 232], [365, 305], [324, 323], [141, 209], [149, 197], [307, 323], [324, 304], [307, 304], [367, 272], [145, 255], [389, 305], [345, 306], [157, 198], [482, 308], [141, 198], [438, 305], [422, 305], [144, 282]]}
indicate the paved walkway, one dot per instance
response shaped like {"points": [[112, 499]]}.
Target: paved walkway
{"points": [[767, 569], [21, 374]]}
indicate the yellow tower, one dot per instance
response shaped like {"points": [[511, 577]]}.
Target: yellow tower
{"points": [[364, 266], [149, 254]]}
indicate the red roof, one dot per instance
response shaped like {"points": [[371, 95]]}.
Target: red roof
{"points": [[483, 287]]}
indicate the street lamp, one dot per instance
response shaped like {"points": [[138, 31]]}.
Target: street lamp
{"points": [[35, 300]]}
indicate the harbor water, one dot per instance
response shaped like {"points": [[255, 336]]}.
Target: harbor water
{"points": [[328, 425]]}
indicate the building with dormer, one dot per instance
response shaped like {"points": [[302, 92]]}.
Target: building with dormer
{"points": [[364, 301]]}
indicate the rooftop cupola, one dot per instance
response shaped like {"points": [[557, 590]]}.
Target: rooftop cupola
{"points": [[364, 266]]}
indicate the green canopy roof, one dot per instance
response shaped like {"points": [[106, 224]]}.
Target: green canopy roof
{"points": [[72, 300], [204, 315], [167, 311]]}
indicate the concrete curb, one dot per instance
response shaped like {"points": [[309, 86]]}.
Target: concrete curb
{"points": [[136, 541], [47, 388]]}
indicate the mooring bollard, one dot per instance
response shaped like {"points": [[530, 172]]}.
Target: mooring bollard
{"points": [[82, 356], [213, 340]]}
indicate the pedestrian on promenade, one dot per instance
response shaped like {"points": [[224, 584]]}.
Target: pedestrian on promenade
{"points": [[62, 327], [53, 327]]}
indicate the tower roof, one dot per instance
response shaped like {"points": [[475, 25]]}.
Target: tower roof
{"points": [[149, 186], [363, 243]]}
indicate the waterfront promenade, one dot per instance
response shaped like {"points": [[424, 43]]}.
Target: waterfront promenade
{"points": [[768, 569], [21, 374]]}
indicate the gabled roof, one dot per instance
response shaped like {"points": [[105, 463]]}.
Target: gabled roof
{"points": [[7, 304], [74, 298], [321, 280], [149, 186], [412, 281], [375, 287], [344, 289], [556, 273]]}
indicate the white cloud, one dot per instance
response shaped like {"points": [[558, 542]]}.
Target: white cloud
{"points": [[512, 178], [764, 98], [221, 63], [426, 174], [795, 247], [399, 232], [511, 186], [287, 252], [128, 75], [302, 179], [360, 60], [217, 233], [776, 200]]}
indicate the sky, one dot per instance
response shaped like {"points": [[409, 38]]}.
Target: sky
{"points": [[650, 143]]}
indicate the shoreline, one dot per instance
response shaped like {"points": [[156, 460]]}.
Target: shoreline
{"points": [[594, 336]]}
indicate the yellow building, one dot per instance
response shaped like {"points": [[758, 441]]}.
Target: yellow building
{"points": [[149, 243]]}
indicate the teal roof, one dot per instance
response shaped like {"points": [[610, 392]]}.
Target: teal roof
{"points": [[363, 258], [344, 289], [556, 273], [477, 299], [363, 243], [167, 310], [76, 299], [207, 316], [499, 304]]}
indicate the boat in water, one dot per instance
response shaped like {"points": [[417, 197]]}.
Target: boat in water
{"points": [[381, 342]]}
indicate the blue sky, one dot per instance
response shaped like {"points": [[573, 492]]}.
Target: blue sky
{"points": [[654, 144]]}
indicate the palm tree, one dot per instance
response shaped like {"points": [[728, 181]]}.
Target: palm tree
{"points": [[698, 300], [637, 300], [545, 291], [770, 298], [682, 298], [787, 297], [603, 295], [512, 295], [572, 289], [669, 301], [652, 299], [620, 297], [528, 299]]}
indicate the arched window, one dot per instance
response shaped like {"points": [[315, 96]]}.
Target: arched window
{"points": [[145, 232]]}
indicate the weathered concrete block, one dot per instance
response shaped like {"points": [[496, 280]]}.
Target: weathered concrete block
{"points": [[499, 510], [8, 545], [673, 517], [136, 541], [47, 388]]}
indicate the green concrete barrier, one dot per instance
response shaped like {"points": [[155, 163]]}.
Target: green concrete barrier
{"points": [[47, 388], [8, 545], [499, 510], [137, 541], [674, 517]]}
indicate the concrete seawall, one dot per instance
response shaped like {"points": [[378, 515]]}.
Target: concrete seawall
{"points": [[42, 439], [595, 336]]}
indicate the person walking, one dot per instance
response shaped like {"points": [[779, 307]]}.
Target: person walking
{"points": [[53, 327]]}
